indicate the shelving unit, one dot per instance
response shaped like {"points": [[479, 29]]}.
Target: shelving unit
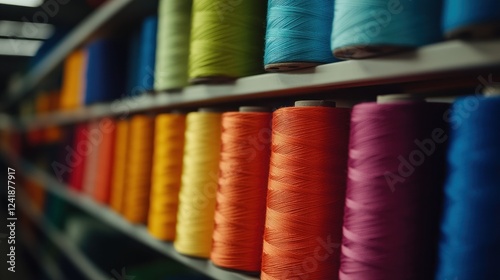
{"points": [[447, 65], [85, 266], [436, 62], [137, 232], [107, 18], [47, 264]]}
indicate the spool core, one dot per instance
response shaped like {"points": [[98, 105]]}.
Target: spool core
{"points": [[391, 98], [289, 66], [315, 103], [210, 110], [356, 52], [250, 109], [212, 80]]}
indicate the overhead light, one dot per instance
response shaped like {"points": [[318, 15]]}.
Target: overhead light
{"points": [[19, 47], [24, 29], [24, 3]]}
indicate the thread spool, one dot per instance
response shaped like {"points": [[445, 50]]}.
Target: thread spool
{"points": [[226, 40], [102, 191], [394, 190], [120, 165], [298, 34], [148, 53], [469, 247], [394, 98], [166, 175], [77, 156], [63, 156], [195, 218], [172, 56], [241, 195], [306, 189], [468, 19], [138, 170], [73, 84], [143, 54], [106, 70], [55, 210], [54, 134], [94, 138], [370, 28]]}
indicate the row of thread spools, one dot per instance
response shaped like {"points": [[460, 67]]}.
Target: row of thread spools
{"points": [[311, 191], [218, 40]]}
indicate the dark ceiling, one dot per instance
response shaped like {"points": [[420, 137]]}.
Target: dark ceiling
{"points": [[61, 13]]}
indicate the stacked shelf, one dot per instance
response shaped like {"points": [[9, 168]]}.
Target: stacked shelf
{"points": [[46, 263], [442, 63], [104, 20], [84, 265], [446, 65], [112, 219], [447, 61]]}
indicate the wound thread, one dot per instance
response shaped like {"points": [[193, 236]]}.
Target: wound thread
{"points": [[226, 39], [394, 191], [120, 165], [241, 195], [138, 170], [306, 193], [172, 55], [166, 175], [195, 218]]}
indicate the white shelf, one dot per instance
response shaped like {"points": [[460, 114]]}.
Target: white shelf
{"points": [[138, 232], [72, 252], [433, 61]]}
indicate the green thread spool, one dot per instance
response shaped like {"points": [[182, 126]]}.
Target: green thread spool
{"points": [[172, 51], [227, 40]]}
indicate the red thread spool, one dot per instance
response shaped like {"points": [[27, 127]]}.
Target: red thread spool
{"points": [[241, 195], [393, 191], [77, 156], [102, 191], [305, 202]]}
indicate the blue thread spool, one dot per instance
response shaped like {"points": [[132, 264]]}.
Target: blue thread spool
{"points": [[142, 58], [148, 52], [470, 231], [106, 70], [367, 28], [477, 19], [298, 34]]}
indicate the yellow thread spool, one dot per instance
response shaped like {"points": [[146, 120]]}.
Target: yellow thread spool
{"points": [[120, 165], [74, 80], [197, 197], [138, 174], [166, 175]]}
